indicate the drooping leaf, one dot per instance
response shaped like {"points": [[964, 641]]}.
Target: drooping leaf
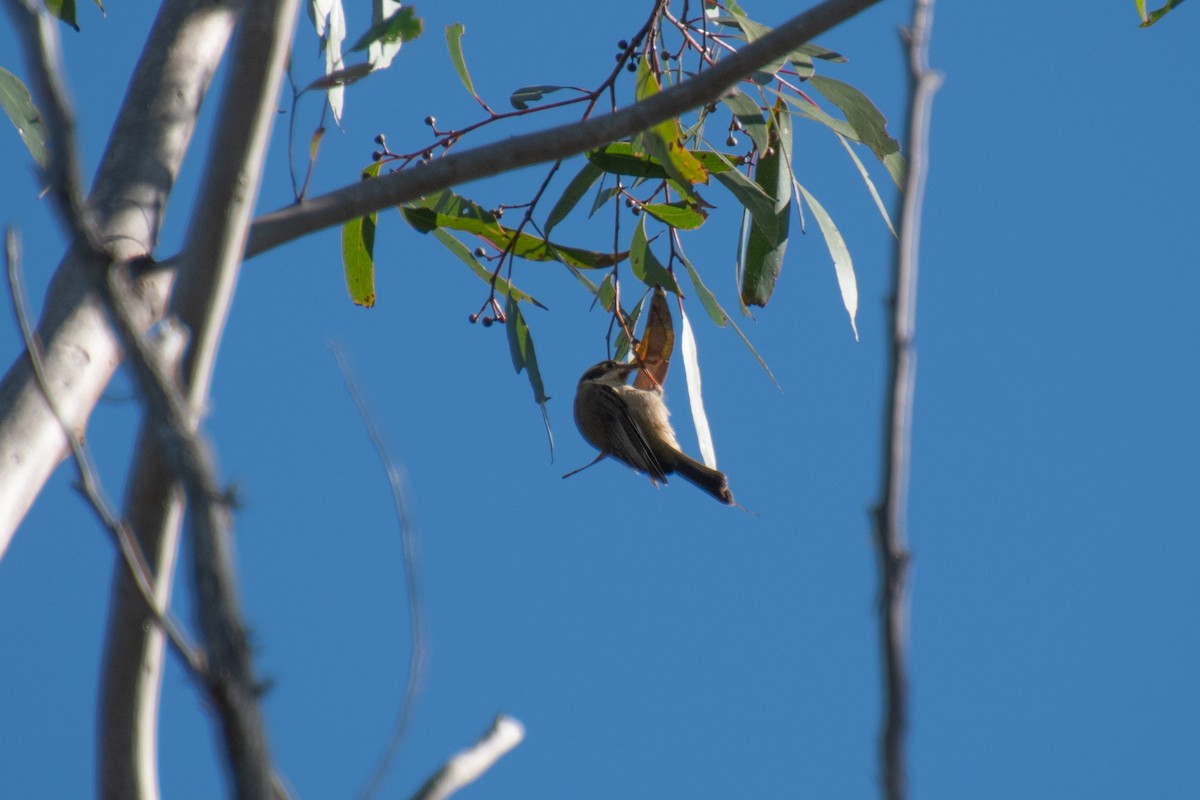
{"points": [[329, 20], [382, 51], [765, 249], [755, 30], [862, 171], [463, 253], [842, 263], [657, 344], [18, 105], [719, 315], [870, 126], [454, 34], [707, 298], [758, 203], [571, 196], [682, 215], [358, 252], [664, 141], [64, 10], [401, 26], [524, 357], [522, 97], [806, 109], [645, 265], [691, 371]]}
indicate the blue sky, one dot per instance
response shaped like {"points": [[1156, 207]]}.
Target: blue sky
{"points": [[653, 642]]}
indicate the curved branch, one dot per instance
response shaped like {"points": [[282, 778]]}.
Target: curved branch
{"points": [[366, 197]]}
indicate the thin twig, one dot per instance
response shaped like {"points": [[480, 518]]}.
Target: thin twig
{"points": [[89, 477], [891, 512], [416, 628]]}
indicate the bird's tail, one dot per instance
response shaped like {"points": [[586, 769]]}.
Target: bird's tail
{"points": [[710, 480]]}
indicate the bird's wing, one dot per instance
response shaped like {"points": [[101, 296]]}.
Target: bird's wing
{"points": [[635, 450]]}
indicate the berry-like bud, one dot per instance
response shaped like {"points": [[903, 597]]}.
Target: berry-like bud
{"points": [[376, 155], [480, 252], [631, 66], [379, 139], [731, 141], [487, 322], [624, 45], [473, 318], [431, 121]]}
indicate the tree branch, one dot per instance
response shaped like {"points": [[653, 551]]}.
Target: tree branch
{"points": [[891, 513], [135, 178], [367, 197], [208, 268], [467, 767]]}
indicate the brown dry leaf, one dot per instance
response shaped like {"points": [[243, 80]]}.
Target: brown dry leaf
{"points": [[657, 344]]}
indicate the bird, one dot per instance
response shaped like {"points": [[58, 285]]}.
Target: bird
{"points": [[633, 426]]}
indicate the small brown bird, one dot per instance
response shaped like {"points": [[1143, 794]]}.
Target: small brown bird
{"points": [[633, 426]]}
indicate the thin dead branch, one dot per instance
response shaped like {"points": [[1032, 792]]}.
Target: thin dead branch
{"points": [[891, 535]]}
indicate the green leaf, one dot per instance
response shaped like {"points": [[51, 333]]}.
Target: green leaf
{"points": [[524, 357], [1155, 16], [765, 249], [861, 114], [645, 265], [664, 141], [680, 214], [448, 210], [862, 171], [707, 298], [464, 254], [341, 77], [816, 51], [64, 10], [402, 26], [807, 109], [454, 34], [571, 196], [760, 205], [603, 195], [751, 117], [381, 52], [18, 104], [718, 315], [620, 158], [843, 265], [755, 30], [358, 252], [522, 97]]}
